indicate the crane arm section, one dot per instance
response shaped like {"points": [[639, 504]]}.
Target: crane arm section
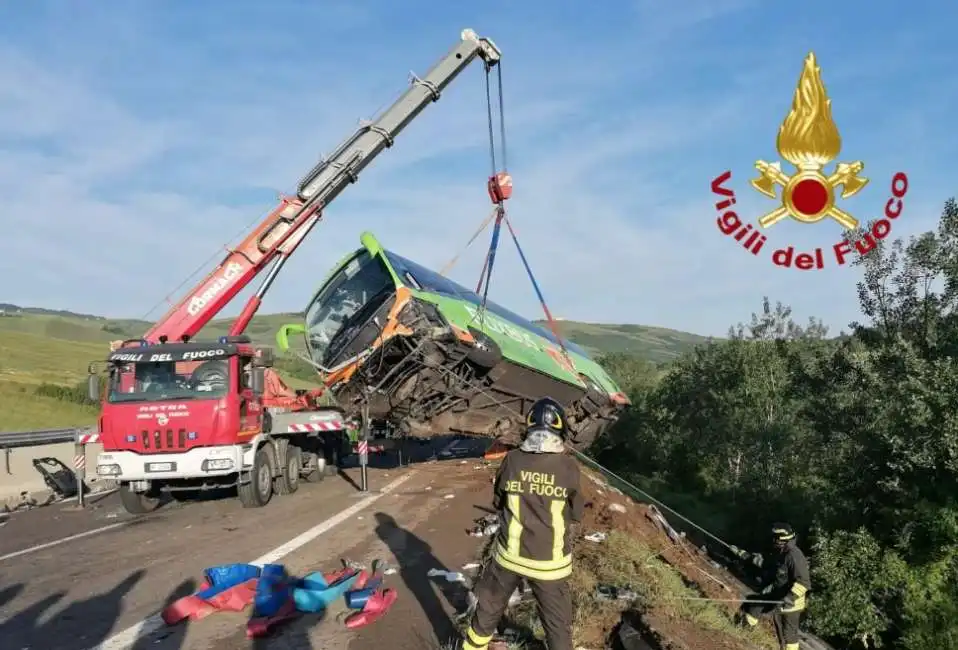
{"points": [[281, 232]]}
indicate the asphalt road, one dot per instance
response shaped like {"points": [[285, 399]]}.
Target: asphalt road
{"points": [[74, 579]]}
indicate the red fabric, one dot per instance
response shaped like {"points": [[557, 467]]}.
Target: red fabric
{"points": [[188, 607], [361, 580], [261, 625], [375, 608], [234, 599]]}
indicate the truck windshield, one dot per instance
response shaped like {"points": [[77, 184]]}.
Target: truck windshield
{"points": [[180, 380], [331, 311]]}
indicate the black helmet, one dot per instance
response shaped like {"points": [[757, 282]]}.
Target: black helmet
{"points": [[547, 414], [782, 533]]}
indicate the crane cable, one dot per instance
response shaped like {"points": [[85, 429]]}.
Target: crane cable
{"points": [[500, 189]]}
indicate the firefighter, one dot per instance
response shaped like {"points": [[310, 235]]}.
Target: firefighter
{"points": [[538, 499], [786, 580]]}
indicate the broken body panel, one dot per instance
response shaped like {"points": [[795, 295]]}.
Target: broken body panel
{"points": [[431, 359]]}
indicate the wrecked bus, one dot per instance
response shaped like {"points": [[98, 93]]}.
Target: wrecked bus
{"points": [[428, 358]]}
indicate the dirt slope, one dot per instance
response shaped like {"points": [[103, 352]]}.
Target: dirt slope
{"points": [[666, 576]]}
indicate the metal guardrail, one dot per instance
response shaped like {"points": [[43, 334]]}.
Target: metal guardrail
{"points": [[15, 439]]}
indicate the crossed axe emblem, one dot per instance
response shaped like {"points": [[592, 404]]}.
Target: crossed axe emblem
{"points": [[845, 175]]}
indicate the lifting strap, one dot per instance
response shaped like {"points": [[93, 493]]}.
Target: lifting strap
{"points": [[451, 263], [542, 301]]}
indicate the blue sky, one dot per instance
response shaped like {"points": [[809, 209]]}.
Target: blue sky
{"points": [[139, 137]]}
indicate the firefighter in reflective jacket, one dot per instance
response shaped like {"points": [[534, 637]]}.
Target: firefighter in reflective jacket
{"points": [[786, 580], [538, 498]]}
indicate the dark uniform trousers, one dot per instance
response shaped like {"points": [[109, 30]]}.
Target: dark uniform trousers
{"points": [[786, 623], [495, 587]]}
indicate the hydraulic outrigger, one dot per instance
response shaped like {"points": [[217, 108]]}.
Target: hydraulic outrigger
{"points": [[219, 415]]}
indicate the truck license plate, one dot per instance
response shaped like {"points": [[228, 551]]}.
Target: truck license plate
{"points": [[160, 467]]}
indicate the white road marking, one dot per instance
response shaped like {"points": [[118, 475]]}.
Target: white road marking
{"points": [[153, 623], [40, 547]]}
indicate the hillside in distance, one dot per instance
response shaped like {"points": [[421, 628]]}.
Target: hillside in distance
{"points": [[651, 343]]}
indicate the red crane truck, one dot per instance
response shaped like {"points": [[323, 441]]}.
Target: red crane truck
{"points": [[183, 414]]}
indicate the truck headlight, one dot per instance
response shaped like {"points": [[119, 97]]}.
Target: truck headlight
{"points": [[108, 470], [216, 464]]}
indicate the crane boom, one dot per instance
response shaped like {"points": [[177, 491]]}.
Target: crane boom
{"points": [[281, 232]]}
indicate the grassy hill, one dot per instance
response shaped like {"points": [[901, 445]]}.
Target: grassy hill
{"points": [[651, 343], [45, 346]]}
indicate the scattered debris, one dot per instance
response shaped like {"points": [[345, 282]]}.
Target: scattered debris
{"points": [[616, 507], [609, 592], [485, 526], [449, 496], [277, 597], [659, 520], [470, 565], [450, 576], [596, 537]]}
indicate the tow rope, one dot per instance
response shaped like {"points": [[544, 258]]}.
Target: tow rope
{"points": [[612, 475]]}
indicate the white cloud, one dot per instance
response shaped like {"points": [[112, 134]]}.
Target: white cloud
{"points": [[120, 175]]}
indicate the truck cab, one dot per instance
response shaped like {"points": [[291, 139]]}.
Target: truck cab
{"points": [[173, 411]]}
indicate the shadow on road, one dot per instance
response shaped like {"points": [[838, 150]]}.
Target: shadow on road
{"points": [[7, 594], [290, 635], [79, 625], [415, 559]]}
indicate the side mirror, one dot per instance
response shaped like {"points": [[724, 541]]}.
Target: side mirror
{"points": [[257, 380], [282, 336], [93, 388]]}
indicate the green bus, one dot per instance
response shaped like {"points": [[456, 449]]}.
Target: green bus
{"points": [[427, 356]]}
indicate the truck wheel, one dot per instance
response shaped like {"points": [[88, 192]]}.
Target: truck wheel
{"points": [[137, 503], [291, 463], [317, 470], [258, 489]]}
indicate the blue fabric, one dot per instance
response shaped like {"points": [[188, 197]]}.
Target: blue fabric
{"points": [[314, 595], [272, 590], [226, 576], [357, 599]]}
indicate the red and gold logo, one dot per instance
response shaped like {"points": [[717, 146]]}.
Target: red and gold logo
{"points": [[809, 140]]}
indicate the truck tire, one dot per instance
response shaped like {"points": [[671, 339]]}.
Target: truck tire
{"points": [[257, 490], [137, 503], [290, 463]]}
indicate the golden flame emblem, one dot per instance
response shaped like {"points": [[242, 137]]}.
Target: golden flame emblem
{"points": [[809, 140]]}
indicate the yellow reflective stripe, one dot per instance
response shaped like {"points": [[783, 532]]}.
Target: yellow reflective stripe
{"points": [[478, 639], [791, 646], [534, 574], [515, 524], [557, 508], [536, 565], [797, 607], [751, 620], [799, 589]]}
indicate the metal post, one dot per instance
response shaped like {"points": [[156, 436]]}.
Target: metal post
{"points": [[364, 449], [79, 470]]}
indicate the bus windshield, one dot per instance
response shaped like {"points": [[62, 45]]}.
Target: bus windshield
{"points": [[341, 299], [169, 380]]}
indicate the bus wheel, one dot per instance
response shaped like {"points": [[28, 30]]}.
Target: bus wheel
{"points": [[258, 488], [290, 463], [137, 503], [315, 470]]}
